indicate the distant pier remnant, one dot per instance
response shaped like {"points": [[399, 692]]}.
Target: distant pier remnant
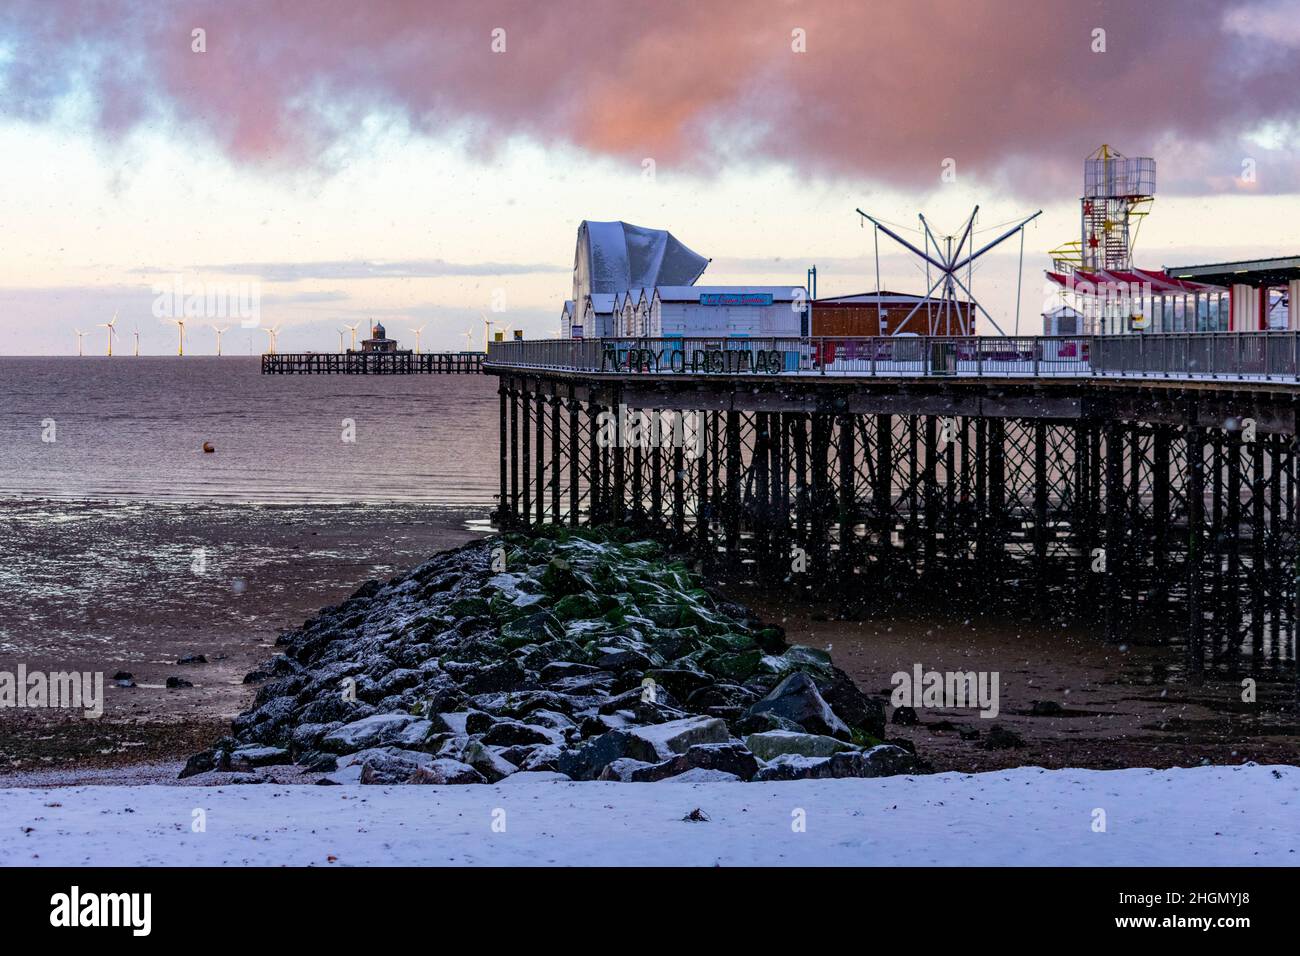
{"points": [[372, 363]]}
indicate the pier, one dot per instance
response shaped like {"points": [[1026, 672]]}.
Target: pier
{"points": [[372, 363], [1144, 482]]}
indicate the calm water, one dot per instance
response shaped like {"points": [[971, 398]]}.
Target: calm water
{"points": [[134, 428]]}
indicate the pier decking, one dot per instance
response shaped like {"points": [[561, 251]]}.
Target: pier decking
{"points": [[372, 363]]}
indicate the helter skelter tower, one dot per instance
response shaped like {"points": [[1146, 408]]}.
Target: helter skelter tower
{"points": [[1117, 196]]}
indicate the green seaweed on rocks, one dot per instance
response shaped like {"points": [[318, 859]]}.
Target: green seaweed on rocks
{"points": [[585, 652]]}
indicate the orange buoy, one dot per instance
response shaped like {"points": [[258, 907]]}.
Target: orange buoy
{"points": [[207, 448]]}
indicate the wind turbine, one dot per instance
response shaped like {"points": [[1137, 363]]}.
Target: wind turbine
{"points": [[469, 339], [271, 334], [79, 335], [487, 331], [354, 333], [111, 332], [417, 336], [341, 340], [137, 341], [180, 325], [219, 331]]}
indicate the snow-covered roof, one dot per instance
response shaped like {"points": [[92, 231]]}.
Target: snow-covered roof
{"points": [[615, 256], [692, 293], [602, 302]]}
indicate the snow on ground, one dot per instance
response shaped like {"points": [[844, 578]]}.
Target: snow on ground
{"points": [[1205, 816]]}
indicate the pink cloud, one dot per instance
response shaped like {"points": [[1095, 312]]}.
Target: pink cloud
{"points": [[1014, 92]]}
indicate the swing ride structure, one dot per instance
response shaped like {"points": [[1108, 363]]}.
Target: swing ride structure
{"points": [[947, 259]]}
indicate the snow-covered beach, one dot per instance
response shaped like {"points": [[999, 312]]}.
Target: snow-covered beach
{"points": [[1205, 816]]}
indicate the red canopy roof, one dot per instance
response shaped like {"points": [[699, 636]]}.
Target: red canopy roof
{"points": [[1160, 283]]}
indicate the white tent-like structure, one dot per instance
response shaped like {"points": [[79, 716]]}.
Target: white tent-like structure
{"points": [[613, 257]]}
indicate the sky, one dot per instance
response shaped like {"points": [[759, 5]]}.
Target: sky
{"points": [[427, 163]]}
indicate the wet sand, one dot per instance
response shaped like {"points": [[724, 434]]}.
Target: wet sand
{"points": [[117, 588], [107, 587], [1120, 707]]}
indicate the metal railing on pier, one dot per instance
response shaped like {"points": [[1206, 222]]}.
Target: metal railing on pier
{"points": [[1229, 356]]}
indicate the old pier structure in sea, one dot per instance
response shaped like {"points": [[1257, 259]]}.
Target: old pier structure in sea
{"points": [[1144, 483]]}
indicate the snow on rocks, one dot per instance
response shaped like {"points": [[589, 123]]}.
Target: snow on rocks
{"points": [[594, 657]]}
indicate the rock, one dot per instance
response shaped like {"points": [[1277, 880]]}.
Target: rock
{"points": [[704, 775], [658, 742], [577, 606], [730, 758], [559, 579], [486, 761], [199, 763], [462, 673], [1046, 708], [797, 698], [861, 712], [559, 670], [531, 629], [319, 762], [383, 766], [375, 730], [456, 723], [193, 659], [501, 675], [443, 772], [1000, 738], [761, 723], [479, 722], [124, 683], [587, 761], [681, 682], [622, 769], [721, 696], [881, 761], [543, 757], [738, 666], [175, 682], [532, 776], [904, 716], [510, 733], [775, 743], [123, 675], [248, 758], [795, 767]]}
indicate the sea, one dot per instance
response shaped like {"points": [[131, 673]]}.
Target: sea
{"points": [[134, 429], [120, 537]]}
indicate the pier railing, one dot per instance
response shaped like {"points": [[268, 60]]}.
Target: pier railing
{"points": [[1232, 356]]}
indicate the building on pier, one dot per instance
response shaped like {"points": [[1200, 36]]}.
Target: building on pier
{"points": [[1063, 320], [724, 311], [890, 313], [1258, 295], [634, 282], [614, 257], [380, 342]]}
